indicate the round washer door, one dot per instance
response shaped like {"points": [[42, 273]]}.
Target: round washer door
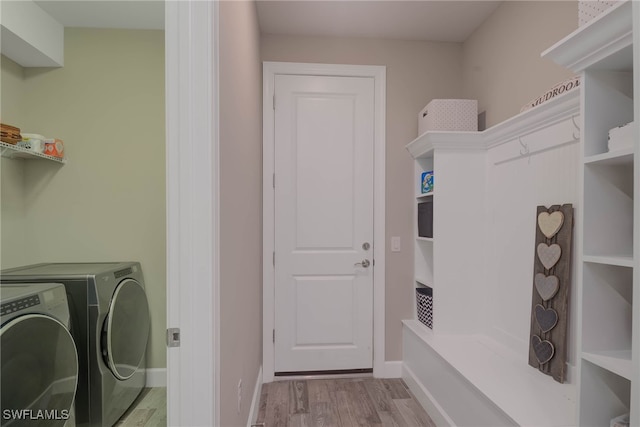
{"points": [[126, 329], [39, 371]]}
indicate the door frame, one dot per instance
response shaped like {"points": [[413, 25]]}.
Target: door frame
{"points": [[192, 191], [378, 73]]}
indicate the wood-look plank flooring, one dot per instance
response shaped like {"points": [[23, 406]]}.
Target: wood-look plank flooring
{"points": [[357, 402], [149, 409]]}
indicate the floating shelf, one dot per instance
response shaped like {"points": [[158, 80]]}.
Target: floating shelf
{"points": [[12, 152]]}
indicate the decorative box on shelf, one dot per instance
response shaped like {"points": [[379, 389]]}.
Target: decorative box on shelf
{"points": [[449, 115], [589, 9]]}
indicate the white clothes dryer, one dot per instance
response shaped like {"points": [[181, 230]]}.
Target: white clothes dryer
{"points": [[38, 356]]}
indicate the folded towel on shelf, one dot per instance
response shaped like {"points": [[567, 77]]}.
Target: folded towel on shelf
{"points": [[621, 137]]}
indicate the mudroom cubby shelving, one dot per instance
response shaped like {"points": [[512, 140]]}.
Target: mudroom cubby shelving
{"points": [[602, 51], [457, 162], [471, 368]]}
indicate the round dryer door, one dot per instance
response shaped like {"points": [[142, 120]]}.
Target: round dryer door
{"points": [[39, 371], [126, 329]]}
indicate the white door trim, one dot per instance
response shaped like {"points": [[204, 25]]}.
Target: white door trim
{"points": [[378, 73], [191, 64]]}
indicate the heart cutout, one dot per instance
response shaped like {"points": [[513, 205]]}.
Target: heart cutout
{"points": [[549, 255], [547, 318], [547, 286], [543, 350], [550, 223]]}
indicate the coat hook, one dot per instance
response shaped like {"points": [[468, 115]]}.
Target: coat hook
{"points": [[573, 119], [524, 146]]}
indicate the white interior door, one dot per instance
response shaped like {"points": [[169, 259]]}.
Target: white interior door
{"points": [[324, 154]]}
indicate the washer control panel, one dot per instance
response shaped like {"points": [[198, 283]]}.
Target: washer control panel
{"points": [[19, 304]]}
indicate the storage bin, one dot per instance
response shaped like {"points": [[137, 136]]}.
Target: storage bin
{"points": [[425, 219], [589, 9], [449, 115], [424, 302], [9, 134]]}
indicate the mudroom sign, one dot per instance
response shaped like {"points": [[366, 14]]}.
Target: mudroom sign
{"points": [[551, 285]]}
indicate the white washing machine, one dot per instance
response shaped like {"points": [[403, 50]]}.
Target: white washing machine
{"points": [[38, 356], [110, 325]]}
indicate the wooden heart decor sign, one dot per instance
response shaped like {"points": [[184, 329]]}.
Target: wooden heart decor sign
{"points": [[551, 283], [547, 318], [547, 286], [544, 350], [549, 254], [550, 223]]}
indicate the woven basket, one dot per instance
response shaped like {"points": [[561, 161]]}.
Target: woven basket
{"points": [[10, 134]]}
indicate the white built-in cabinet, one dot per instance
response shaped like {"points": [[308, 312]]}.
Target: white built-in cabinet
{"points": [[609, 263], [458, 163], [471, 369], [463, 371]]}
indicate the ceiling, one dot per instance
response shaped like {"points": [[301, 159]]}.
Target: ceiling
{"points": [[131, 14], [447, 20]]}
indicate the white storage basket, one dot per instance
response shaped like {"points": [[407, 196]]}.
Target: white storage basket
{"points": [[449, 115]]}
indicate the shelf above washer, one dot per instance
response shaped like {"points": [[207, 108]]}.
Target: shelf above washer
{"points": [[12, 152]]}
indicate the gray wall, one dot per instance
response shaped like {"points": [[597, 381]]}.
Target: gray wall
{"points": [[502, 67], [240, 208]]}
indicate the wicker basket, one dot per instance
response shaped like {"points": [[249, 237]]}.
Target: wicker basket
{"points": [[9, 134]]}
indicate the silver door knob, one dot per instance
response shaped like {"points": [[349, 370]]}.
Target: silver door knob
{"points": [[365, 263]]}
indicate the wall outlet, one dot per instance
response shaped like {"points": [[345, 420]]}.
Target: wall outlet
{"points": [[395, 244], [239, 395]]}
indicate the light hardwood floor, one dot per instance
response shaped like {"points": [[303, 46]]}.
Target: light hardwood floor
{"points": [[340, 403], [149, 409]]}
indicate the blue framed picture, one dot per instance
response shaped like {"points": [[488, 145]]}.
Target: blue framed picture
{"points": [[426, 185]]}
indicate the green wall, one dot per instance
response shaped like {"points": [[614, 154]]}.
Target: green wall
{"points": [[108, 202]]}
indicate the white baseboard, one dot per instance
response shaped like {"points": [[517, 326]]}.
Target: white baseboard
{"points": [[255, 402], [392, 369], [426, 399], [156, 377]]}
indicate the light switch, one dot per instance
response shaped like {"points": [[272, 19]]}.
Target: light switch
{"points": [[395, 244]]}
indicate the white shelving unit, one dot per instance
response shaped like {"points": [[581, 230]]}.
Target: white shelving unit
{"points": [[462, 374], [608, 285], [458, 179], [13, 152]]}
